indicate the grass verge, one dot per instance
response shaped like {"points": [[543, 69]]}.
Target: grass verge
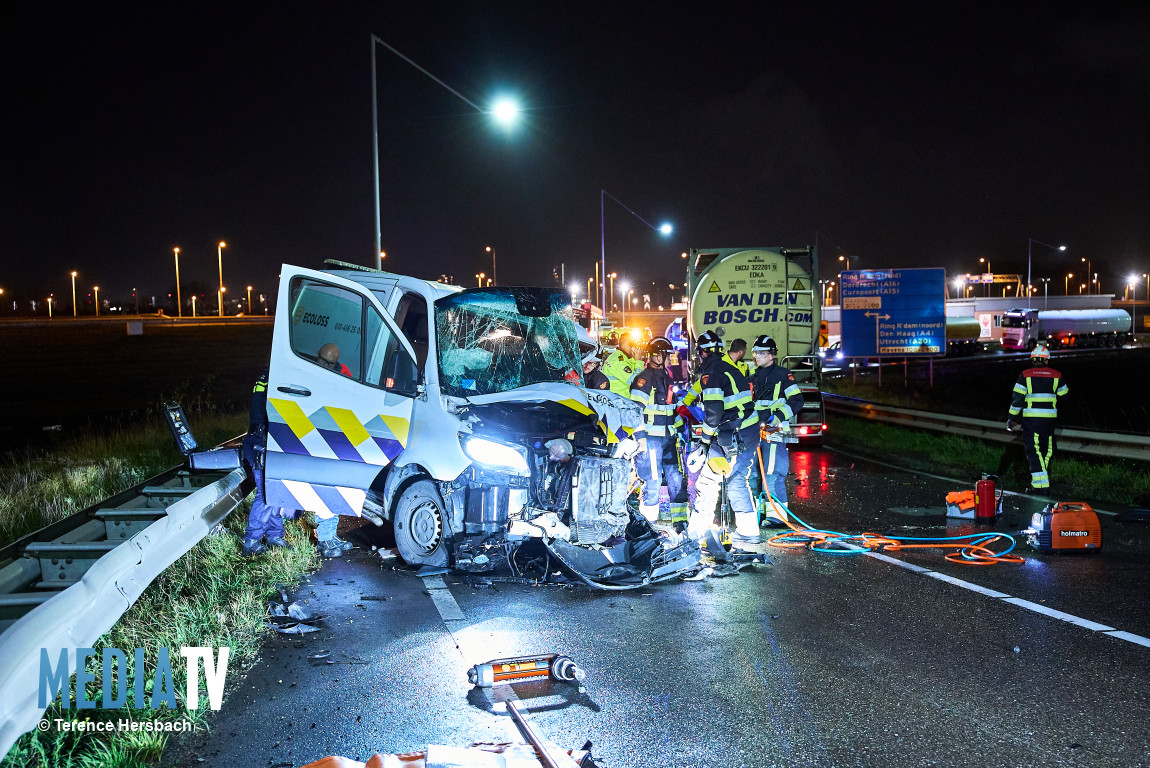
{"points": [[41, 486], [1117, 481], [212, 596]]}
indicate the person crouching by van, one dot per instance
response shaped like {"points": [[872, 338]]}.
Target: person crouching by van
{"points": [[265, 524]]}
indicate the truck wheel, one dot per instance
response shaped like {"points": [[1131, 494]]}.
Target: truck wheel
{"points": [[421, 525]]}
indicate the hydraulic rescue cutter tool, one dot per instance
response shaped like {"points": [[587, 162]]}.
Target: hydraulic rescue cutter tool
{"points": [[519, 669], [1068, 526]]}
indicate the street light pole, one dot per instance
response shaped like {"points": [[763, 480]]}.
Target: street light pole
{"points": [[96, 288], [220, 253], [1045, 292], [1030, 241], [494, 274], [249, 299], [505, 111], [179, 300], [611, 279], [664, 229], [73, 294], [1089, 268], [1066, 283]]}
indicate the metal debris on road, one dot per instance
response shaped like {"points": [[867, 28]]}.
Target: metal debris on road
{"points": [[292, 617]]}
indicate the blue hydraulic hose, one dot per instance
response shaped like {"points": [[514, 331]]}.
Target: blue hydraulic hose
{"points": [[979, 539]]}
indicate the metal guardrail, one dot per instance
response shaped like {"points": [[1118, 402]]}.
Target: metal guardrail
{"points": [[1070, 440], [66, 585]]}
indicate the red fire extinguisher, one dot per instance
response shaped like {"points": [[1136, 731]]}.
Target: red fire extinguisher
{"points": [[985, 499]]}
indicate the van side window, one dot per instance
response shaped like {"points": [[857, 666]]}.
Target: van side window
{"points": [[411, 317], [327, 326], [389, 366]]}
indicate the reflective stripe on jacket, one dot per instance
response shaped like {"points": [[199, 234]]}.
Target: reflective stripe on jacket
{"points": [[620, 369], [726, 396], [651, 388], [1036, 393], [777, 396]]}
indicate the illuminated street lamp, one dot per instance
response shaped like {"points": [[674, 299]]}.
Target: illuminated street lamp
{"points": [[136, 296], [574, 289], [1088, 268], [625, 287], [611, 279], [49, 307], [220, 295], [249, 299], [179, 300], [96, 288], [663, 229], [1066, 283], [589, 281], [479, 279], [504, 110], [494, 275], [847, 259], [1029, 246], [73, 294], [1045, 292], [193, 305]]}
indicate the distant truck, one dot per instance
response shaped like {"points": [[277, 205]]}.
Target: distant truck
{"points": [[964, 336], [1061, 328], [742, 293]]}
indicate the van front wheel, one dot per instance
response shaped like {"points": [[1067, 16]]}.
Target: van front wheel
{"points": [[421, 525]]}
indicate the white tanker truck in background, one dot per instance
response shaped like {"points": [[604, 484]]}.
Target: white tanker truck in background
{"points": [[1022, 329]]}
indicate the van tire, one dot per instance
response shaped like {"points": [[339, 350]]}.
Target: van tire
{"points": [[420, 524]]}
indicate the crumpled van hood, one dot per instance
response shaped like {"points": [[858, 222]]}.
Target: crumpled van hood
{"points": [[615, 415]]}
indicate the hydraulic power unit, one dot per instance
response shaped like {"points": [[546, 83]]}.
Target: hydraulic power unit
{"points": [[1068, 526]]}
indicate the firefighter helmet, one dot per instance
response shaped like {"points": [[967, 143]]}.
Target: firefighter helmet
{"points": [[709, 341], [1040, 354], [765, 343], [659, 345]]}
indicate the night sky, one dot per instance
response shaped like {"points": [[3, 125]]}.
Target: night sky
{"points": [[916, 135]]}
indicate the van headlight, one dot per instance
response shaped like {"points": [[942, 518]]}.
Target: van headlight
{"points": [[495, 455]]}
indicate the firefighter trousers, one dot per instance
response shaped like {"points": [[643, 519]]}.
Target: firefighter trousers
{"points": [[653, 466], [1038, 443]]}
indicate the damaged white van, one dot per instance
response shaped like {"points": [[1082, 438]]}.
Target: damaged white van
{"points": [[460, 416]]}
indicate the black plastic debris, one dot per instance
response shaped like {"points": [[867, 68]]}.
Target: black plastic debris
{"points": [[292, 617]]}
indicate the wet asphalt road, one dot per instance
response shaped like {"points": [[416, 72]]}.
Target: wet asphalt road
{"points": [[816, 660]]}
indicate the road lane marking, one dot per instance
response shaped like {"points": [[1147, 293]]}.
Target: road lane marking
{"points": [[899, 563], [444, 601], [967, 585], [1037, 608], [1136, 639], [1076, 620]]}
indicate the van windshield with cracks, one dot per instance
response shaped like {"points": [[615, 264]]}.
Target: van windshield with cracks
{"points": [[496, 339]]}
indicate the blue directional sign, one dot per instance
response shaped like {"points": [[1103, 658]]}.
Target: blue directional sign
{"points": [[893, 312]]}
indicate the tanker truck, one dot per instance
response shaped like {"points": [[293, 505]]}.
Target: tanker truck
{"points": [[740, 293], [1063, 328], [963, 336]]}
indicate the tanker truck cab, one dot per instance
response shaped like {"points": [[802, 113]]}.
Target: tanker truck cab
{"points": [[460, 416], [1018, 329]]}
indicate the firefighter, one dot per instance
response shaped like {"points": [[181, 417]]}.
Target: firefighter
{"points": [[621, 365], [265, 524], [652, 389], [737, 351], [731, 429], [593, 378], [777, 403], [1035, 402]]}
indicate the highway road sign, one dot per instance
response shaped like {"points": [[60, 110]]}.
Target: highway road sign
{"points": [[893, 312]]}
